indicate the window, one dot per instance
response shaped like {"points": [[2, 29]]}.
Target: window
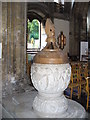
{"points": [[33, 36]]}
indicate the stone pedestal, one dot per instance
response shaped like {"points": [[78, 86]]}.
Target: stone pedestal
{"points": [[50, 80], [20, 106]]}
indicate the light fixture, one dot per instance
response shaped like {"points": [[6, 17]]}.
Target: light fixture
{"points": [[61, 40]]}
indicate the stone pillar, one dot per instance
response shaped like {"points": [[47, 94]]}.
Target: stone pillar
{"points": [[9, 40], [0, 59], [73, 41], [18, 35], [84, 28], [78, 25], [4, 41], [14, 39], [19, 39]]}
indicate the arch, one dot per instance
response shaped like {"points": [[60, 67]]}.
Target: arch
{"points": [[40, 8]]}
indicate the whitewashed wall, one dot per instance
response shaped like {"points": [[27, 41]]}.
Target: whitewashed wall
{"points": [[62, 25]]}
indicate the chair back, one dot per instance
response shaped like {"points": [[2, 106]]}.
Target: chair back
{"points": [[83, 71], [74, 72]]}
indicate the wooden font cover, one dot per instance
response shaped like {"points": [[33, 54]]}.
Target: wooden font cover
{"points": [[51, 54]]}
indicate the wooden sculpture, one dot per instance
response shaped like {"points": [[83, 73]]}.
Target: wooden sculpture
{"points": [[50, 31], [51, 54]]}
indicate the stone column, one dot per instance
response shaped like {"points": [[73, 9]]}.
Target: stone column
{"points": [[14, 39], [73, 41], [19, 38], [9, 40], [0, 59], [83, 30], [18, 35], [78, 24], [4, 41]]}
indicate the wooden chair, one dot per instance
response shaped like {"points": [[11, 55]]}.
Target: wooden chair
{"points": [[88, 89], [87, 92], [78, 78], [74, 81], [83, 74]]}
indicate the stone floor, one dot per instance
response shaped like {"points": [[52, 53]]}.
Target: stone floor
{"points": [[82, 101], [10, 103]]}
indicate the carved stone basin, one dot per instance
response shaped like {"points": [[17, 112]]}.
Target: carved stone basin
{"points": [[50, 81]]}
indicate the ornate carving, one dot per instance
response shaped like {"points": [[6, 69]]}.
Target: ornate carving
{"points": [[50, 107], [50, 31], [50, 80]]}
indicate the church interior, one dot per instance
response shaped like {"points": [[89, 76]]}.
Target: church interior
{"points": [[25, 37]]}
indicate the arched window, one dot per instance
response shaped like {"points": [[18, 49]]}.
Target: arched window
{"points": [[33, 35]]}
